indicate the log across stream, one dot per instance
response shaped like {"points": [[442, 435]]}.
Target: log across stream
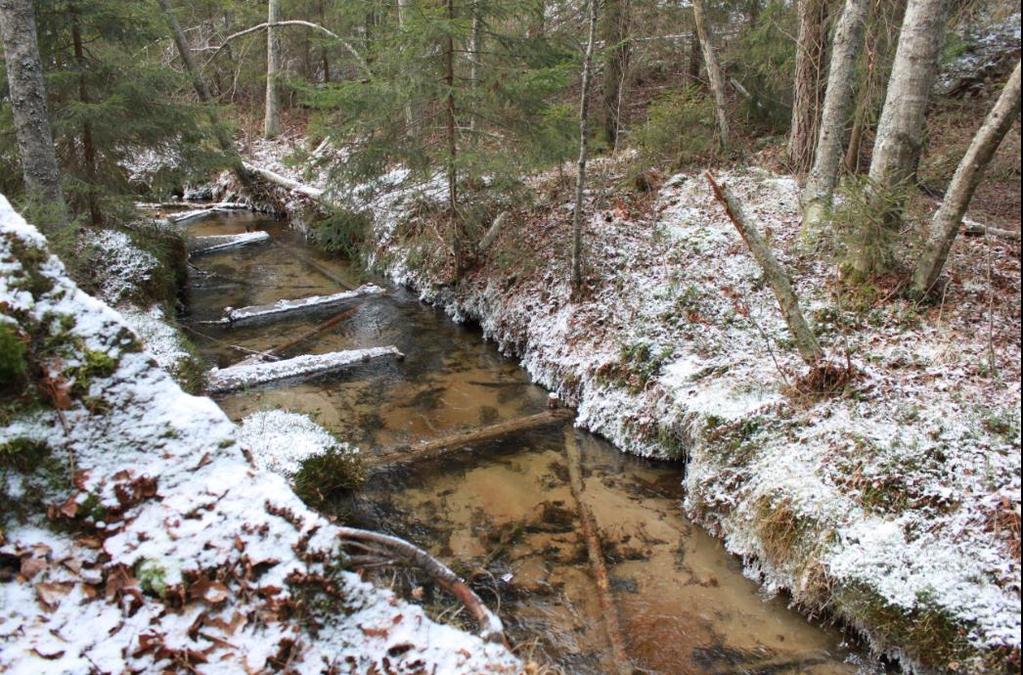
{"points": [[503, 512]]}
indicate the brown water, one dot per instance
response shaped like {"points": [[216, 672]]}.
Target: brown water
{"points": [[503, 514]]}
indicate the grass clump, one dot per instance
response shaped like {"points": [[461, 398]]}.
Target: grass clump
{"points": [[23, 454], [94, 364], [638, 364], [328, 477]]}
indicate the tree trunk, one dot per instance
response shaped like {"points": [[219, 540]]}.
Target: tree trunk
{"points": [[693, 66], [901, 129], [272, 117], [457, 235], [616, 38], [323, 50], [580, 176], [882, 35], [28, 103], [475, 44], [945, 224], [203, 93], [88, 146], [838, 99], [806, 88], [717, 80]]}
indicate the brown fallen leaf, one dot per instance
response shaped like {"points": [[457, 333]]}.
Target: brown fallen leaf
{"points": [[31, 566], [50, 593]]}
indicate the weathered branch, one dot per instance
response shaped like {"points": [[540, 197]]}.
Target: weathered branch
{"points": [[806, 341], [457, 441], [595, 553], [291, 22], [945, 224], [490, 625]]}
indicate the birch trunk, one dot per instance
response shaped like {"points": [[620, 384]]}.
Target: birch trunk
{"points": [[807, 83], [28, 104], [945, 223], [901, 129], [580, 176], [272, 116], [717, 80], [838, 100]]}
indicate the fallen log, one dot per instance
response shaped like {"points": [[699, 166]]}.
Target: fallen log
{"points": [[449, 444], [251, 374], [595, 553], [223, 242], [384, 549], [972, 227], [315, 194], [776, 276], [283, 308]]}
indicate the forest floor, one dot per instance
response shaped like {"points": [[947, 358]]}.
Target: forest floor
{"points": [[139, 533], [890, 500]]}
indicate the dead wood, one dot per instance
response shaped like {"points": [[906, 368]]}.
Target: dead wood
{"points": [[457, 441], [321, 269], [310, 334], [374, 547], [774, 273], [595, 553]]}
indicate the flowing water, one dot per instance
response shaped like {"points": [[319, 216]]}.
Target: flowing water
{"points": [[502, 513]]}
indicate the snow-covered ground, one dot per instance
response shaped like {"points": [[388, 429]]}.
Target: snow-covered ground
{"points": [[163, 548], [894, 504]]}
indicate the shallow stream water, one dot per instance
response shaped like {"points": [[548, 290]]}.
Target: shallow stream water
{"points": [[502, 513]]}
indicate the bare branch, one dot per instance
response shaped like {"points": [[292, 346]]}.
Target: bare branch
{"points": [[291, 22]]}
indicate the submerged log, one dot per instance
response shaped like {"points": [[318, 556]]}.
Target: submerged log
{"points": [[310, 334], [285, 308], [322, 269], [249, 374], [224, 242], [449, 444], [595, 553]]}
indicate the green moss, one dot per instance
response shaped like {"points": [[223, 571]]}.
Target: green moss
{"points": [[152, 577], [637, 365], [13, 358], [31, 258], [925, 632], [23, 454], [94, 364], [327, 478]]}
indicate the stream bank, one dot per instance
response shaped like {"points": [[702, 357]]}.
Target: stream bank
{"points": [[869, 505], [501, 511]]}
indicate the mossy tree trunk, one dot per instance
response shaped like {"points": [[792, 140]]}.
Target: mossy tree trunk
{"points": [[616, 38], [28, 104]]}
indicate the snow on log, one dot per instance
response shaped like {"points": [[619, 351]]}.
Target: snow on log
{"points": [[222, 380], [182, 217], [281, 308], [224, 242], [312, 193]]}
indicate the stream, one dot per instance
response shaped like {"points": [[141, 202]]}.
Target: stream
{"points": [[502, 513]]}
